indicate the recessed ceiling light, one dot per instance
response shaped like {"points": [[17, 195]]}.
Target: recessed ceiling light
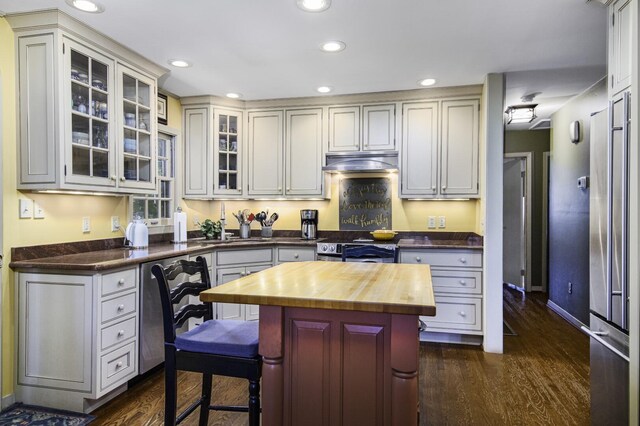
{"points": [[427, 82], [324, 89], [180, 63], [86, 6], [233, 95], [313, 5], [333, 46]]}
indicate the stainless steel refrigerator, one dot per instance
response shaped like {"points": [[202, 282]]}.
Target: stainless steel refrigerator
{"points": [[609, 283]]}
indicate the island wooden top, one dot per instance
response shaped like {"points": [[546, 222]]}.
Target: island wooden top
{"points": [[371, 287]]}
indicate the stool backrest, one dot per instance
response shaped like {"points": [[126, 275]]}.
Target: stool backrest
{"points": [[183, 271]]}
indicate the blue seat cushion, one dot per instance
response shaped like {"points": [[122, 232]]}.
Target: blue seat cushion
{"points": [[221, 337]]}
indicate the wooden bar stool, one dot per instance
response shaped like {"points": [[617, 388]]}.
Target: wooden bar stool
{"points": [[223, 347]]}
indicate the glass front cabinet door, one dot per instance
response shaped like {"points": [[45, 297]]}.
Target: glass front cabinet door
{"points": [[88, 121], [227, 152], [137, 117]]}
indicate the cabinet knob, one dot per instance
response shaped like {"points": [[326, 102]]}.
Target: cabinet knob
{"points": [[279, 188], [295, 256], [418, 259], [120, 308], [113, 177], [121, 281], [118, 364], [444, 187], [122, 179], [433, 187], [242, 274], [120, 333], [462, 314], [288, 189], [463, 282], [248, 273], [462, 260]]}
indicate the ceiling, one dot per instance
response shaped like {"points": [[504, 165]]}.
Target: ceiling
{"points": [[266, 49]]}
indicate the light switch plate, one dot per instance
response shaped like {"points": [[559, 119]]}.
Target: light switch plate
{"points": [[86, 224], [431, 223], [38, 212], [26, 208], [115, 223], [442, 222]]}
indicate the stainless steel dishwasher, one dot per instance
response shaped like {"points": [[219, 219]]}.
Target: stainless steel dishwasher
{"points": [[151, 330]]}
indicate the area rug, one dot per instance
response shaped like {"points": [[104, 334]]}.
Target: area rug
{"points": [[21, 414]]}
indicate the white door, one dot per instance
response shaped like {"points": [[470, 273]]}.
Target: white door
{"points": [[252, 312], [304, 152], [514, 238], [265, 152], [229, 310]]}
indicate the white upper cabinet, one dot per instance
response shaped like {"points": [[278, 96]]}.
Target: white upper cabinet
{"points": [[419, 168], [197, 174], [265, 153], [227, 148], [87, 108], [440, 149], [379, 129], [459, 152], [373, 130], [344, 129], [620, 46], [303, 165]]}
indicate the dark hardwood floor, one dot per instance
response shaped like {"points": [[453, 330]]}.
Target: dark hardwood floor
{"points": [[541, 379]]}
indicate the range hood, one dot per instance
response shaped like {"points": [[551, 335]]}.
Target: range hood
{"points": [[361, 162]]}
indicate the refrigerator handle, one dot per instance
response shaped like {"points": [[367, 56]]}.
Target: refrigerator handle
{"points": [[609, 287], [625, 208], [596, 335]]}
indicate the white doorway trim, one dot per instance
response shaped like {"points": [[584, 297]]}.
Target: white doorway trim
{"points": [[528, 157], [546, 158]]}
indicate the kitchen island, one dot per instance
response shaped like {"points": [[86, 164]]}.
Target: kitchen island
{"points": [[339, 341]]}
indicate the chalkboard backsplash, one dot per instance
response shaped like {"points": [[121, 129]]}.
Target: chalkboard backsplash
{"points": [[365, 204]]}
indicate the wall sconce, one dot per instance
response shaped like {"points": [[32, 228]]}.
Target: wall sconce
{"points": [[521, 113]]}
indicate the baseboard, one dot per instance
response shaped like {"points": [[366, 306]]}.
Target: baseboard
{"points": [[565, 315], [8, 400]]}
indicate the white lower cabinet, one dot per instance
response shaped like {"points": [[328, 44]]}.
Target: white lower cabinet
{"points": [[234, 264], [456, 275], [295, 254], [77, 337]]}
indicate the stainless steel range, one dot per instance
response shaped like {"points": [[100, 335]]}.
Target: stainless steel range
{"points": [[332, 252]]}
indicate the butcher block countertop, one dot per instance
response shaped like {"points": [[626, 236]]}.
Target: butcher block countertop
{"points": [[370, 287]]}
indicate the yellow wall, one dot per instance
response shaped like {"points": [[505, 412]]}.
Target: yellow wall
{"points": [[63, 213], [406, 215]]}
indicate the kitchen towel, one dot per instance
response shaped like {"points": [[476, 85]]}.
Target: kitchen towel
{"points": [[179, 226]]}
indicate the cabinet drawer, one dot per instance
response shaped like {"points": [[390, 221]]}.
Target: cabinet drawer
{"points": [[207, 256], [116, 367], [456, 281], [118, 307], [243, 257], [456, 313], [296, 254], [117, 333], [118, 281], [446, 258]]}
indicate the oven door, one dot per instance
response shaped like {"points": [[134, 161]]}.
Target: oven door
{"points": [[370, 260]]}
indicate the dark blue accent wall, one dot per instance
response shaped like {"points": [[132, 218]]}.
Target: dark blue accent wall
{"points": [[569, 206]]}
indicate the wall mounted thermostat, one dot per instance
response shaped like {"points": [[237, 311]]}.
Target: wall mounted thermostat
{"points": [[574, 131], [583, 182]]}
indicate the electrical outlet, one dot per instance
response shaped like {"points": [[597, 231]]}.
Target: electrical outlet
{"points": [[115, 223], [570, 287], [431, 223], [196, 221], [86, 224], [38, 212], [26, 208], [442, 222]]}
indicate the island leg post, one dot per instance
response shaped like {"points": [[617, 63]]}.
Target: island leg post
{"points": [[404, 369], [271, 349]]}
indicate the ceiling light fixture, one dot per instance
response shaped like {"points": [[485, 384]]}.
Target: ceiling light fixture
{"points": [[333, 46], [180, 63], [521, 113], [233, 95], [86, 6], [313, 5], [427, 82], [324, 89]]}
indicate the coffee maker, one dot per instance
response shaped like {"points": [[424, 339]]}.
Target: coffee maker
{"points": [[308, 224]]}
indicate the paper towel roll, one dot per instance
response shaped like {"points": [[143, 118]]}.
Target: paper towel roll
{"points": [[179, 226]]}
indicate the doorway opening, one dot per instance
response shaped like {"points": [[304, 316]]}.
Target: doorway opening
{"points": [[517, 190]]}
